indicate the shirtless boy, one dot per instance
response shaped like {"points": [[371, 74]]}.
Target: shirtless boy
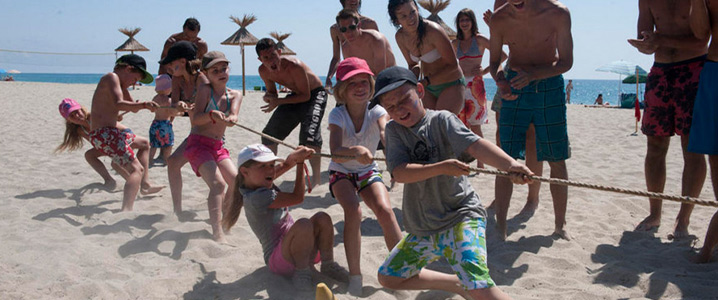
{"points": [[664, 31], [189, 33], [304, 105], [338, 38], [367, 44], [110, 97], [538, 33]]}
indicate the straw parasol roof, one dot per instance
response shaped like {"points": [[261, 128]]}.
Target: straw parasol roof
{"points": [[280, 42], [131, 44], [242, 36], [434, 7]]}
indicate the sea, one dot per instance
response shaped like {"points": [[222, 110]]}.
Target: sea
{"points": [[585, 91]]}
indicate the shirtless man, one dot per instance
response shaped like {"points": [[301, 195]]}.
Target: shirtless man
{"points": [[538, 33], [664, 31], [110, 97], [304, 105], [704, 135], [367, 44], [338, 38], [189, 33]]}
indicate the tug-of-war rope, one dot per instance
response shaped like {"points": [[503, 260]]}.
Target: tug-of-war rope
{"points": [[683, 199]]}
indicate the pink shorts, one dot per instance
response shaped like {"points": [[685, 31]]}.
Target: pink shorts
{"points": [[201, 149], [670, 93], [114, 143], [279, 265], [474, 112]]}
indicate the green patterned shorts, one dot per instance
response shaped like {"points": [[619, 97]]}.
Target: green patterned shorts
{"points": [[464, 246]]}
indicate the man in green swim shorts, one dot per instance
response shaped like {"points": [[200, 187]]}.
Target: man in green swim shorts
{"points": [[532, 92]]}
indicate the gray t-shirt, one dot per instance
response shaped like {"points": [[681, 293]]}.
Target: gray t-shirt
{"points": [[438, 203], [268, 224]]}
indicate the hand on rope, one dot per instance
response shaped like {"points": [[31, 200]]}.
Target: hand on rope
{"points": [[531, 178]]}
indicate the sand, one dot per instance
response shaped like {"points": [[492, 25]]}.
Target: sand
{"points": [[62, 236]]}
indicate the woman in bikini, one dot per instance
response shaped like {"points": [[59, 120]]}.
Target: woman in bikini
{"points": [[428, 51], [470, 46], [182, 63]]}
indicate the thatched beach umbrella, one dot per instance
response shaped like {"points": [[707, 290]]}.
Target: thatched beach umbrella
{"points": [[131, 44], [280, 42], [242, 37], [434, 7]]}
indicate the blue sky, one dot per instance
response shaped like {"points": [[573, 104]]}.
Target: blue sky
{"points": [[600, 29]]}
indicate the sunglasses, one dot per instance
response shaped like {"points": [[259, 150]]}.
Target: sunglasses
{"points": [[350, 27]]}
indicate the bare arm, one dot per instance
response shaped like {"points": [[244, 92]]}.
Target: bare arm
{"points": [[699, 19], [645, 24], [492, 155], [199, 117], [389, 60], [412, 172], [201, 48], [361, 153], [485, 43], [443, 45], [382, 128], [336, 55], [234, 110], [296, 196], [122, 99], [495, 59]]}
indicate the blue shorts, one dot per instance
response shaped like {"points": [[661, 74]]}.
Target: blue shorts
{"points": [[703, 137], [161, 134], [464, 246], [543, 103]]}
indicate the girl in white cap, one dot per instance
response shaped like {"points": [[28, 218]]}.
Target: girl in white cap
{"points": [[290, 248]]}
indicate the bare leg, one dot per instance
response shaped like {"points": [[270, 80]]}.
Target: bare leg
{"points": [[166, 152], [92, 158], [426, 279], [451, 99], [229, 174], [559, 193], [346, 196], [316, 162], [298, 244], [211, 175], [143, 145], [502, 199], [477, 130], [174, 174], [132, 185], [536, 166], [153, 151], [694, 175], [711, 239], [377, 198], [490, 293], [655, 170]]}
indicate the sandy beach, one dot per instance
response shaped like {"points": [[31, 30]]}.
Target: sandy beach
{"points": [[62, 236]]}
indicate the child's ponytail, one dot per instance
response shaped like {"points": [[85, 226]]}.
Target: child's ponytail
{"points": [[232, 209]]}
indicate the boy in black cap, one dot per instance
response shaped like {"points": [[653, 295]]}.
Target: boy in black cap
{"points": [[110, 97], [442, 214]]}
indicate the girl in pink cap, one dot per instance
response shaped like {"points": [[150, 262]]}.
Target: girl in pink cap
{"points": [[77, 128], [355, 131]]}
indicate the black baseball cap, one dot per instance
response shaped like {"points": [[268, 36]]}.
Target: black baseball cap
{"points": [[392, 78], [181, 49], [139, 63]]}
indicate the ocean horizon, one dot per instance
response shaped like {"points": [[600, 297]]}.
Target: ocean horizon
{"points": [[585, 91]]}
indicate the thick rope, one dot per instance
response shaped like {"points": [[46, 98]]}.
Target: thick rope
{"points": [[653, 195]]}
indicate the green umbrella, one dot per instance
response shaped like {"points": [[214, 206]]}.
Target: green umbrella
{"points": [[632, 79]]}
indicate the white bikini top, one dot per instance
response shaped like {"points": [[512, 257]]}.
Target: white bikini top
{"points": [[428, 57]]}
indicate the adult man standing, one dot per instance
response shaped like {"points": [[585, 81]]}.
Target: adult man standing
{"points": [[538, 33], [189, 33], [664, 31], [304, 105]]}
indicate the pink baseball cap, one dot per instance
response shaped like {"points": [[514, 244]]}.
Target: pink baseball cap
{"points": [[256, 152], [67, 106], [352, 66], [163, 82]]}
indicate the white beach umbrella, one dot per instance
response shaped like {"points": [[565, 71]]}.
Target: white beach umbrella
{"points": [[13, 71], [622, 67]]}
